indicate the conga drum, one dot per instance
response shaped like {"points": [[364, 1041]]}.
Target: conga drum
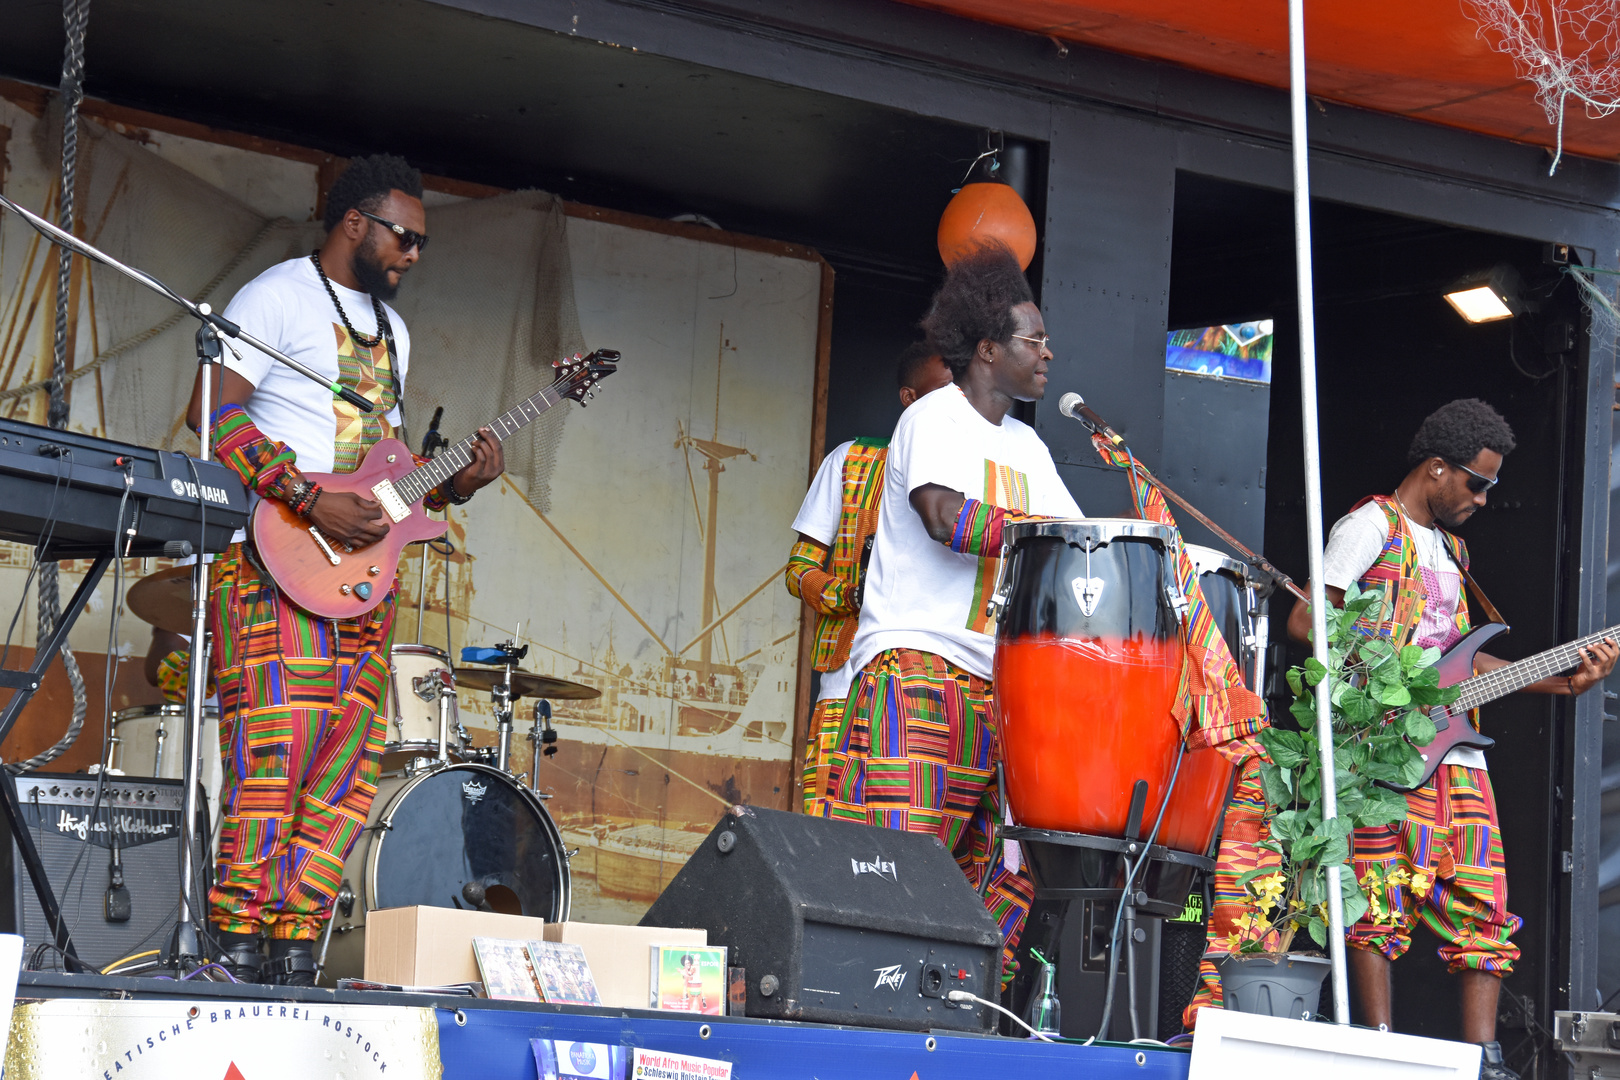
{"points": [[1194, 813], [1088, 658]]}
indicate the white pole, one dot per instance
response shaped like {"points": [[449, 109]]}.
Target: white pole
{"points": [[1313, 479]]}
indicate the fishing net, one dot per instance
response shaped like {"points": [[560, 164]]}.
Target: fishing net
{"points": [[1566, 48]]}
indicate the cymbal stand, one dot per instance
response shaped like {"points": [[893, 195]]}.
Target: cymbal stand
{"points": [[447, 693], [501, 692]]}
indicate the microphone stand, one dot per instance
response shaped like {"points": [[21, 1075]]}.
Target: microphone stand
{"points": [[431, 443], [188, 944], [1075, 408]]}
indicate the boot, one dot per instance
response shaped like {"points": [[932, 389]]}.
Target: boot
{"points": [[292, 962], [1491, 1066], [239, 955]]}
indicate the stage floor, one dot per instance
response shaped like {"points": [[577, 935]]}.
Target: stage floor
{"points": [[489, 1040]]}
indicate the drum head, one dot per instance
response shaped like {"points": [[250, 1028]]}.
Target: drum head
{"points": [[468, 823]]}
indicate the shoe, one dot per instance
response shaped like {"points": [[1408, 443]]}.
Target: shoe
{"points": [[292, 963], [1491, 1066], [239, 955]]}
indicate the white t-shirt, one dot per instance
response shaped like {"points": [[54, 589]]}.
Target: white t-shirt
{"points": [[288, 307], [919, 593], [819, 515], [1353, 546]]}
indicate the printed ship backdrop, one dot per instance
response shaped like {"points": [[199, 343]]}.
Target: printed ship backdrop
{"points": [[635, 545]]}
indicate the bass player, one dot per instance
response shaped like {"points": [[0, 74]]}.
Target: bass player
{"points": [[300, 695], [1444, 863]]}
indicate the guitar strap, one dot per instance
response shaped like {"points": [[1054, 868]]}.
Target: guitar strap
{"points": [[393, 371], [1485, 604]]}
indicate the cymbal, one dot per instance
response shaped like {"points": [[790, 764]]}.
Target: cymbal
{"points": [[524, 684], [163, 599]]}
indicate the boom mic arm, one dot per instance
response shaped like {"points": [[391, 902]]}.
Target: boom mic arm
{"points": [[1074, 407]]}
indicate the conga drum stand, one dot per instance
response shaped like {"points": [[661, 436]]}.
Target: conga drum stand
{"points": [[1070, 866]]}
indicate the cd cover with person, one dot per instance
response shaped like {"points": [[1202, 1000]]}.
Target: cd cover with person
{"points": [[689, 978]]}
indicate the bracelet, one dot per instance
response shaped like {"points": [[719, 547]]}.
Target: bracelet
{"points": [[455, 497], [1570, 679], [314, 496], [304, 500]]}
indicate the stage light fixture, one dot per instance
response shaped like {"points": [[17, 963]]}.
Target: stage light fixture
{"points": [[1488, 296]]}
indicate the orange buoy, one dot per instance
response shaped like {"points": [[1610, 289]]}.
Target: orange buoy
{"points": [[986, 211]]}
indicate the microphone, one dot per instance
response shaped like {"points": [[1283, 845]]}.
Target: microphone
{"points": [[432, 440], [1074, 407]]}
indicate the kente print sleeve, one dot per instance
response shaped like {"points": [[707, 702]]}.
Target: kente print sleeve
{"points": [[248, 452], [978, 528], [826, 593]]}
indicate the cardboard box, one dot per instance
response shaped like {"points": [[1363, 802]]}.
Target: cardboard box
{"points": [[619, 955], [431, 946]]}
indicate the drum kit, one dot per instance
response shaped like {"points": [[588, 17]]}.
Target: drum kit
{"points": [[1112, 806], [451, 824]]}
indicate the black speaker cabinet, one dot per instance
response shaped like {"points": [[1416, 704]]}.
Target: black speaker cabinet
{"points": [[143, 815], [839, 923]]}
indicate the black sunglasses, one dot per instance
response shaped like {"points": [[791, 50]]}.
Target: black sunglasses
{"points": [[408, 238], [1476, 483]]}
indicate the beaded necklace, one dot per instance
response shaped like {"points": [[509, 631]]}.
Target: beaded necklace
{"points": [[376, 306]]}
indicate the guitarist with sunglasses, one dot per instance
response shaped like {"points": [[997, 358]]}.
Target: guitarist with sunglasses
{"points": [[300, 695], [1444, 864]]}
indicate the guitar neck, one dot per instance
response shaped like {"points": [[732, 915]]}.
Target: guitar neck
{"points": [[414, 485], [1516, 676]]}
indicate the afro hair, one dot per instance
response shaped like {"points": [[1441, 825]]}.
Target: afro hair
{"points": [[1457, 431], [365, 184], [975, 304]]}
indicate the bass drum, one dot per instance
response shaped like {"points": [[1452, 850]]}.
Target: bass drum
{"points": [[434, 832], [1194, 813]]}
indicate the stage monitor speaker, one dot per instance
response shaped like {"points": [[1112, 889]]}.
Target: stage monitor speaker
{"points": [[143, 815], [839, 923]]}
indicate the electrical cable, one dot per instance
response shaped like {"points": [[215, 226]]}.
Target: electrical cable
{"points": [[963, 995], [1125, 893], [108, 970]]}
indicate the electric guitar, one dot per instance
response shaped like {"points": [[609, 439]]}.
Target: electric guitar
{"points": [[336, 581], [1457, 669]]}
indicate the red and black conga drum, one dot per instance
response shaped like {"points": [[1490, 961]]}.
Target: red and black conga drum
{"points": [[1205, 780], [1088, 658]]}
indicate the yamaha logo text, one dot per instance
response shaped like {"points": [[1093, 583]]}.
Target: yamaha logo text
{"points": [[890, 976], [184, 489], [881, 867]]}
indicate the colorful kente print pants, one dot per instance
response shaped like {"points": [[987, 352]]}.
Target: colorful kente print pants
{"points": [[825, 720], [916, 750], [1454, 880], [1243, 829], [301, 733]]}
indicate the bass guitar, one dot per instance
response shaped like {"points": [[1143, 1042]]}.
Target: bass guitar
{"points": [[1456, 667], [336, 581]]}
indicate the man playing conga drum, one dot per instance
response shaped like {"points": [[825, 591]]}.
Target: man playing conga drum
{"points": [[916, 747]]}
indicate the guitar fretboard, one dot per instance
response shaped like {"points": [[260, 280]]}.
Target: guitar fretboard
{"points": [[414, 485], [1516, 676]]}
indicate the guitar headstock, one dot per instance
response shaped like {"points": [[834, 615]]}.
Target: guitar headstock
{"points": [[577, 376]]}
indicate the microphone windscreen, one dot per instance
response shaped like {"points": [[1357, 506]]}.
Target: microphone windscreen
{"points": [[1069, 402]]}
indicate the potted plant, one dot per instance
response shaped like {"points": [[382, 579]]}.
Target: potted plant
{"points": [[1378, 694]]}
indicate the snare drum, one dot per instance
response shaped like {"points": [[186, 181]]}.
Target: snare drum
{"points": [[412, 707], [150, 740], [1195, 806], [1088, 658]]}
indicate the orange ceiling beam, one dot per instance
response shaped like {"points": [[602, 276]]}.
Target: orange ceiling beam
{"points": [[1422, 59]]}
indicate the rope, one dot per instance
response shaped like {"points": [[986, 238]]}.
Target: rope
{"points": [[141, 338], [75, 14]]}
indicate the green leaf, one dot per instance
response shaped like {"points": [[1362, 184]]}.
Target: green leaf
{"points": [[1285, 747], [1312, 890], [1334, 851], [1288, 825], [1293, 681], [1382, 807], [1412, 656], [1249, 875], [1305, 849], [1418, 728], [1318, 930], [1314, 671], [1355, 904], [1394, 696], [1278, 784]]}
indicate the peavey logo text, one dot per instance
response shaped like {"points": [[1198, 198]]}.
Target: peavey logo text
{"points": [[882, 868], [184, 489], [890, 976]]}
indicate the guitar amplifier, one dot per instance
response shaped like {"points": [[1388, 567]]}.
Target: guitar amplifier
{"points": [[838, 922], [143, 816]]}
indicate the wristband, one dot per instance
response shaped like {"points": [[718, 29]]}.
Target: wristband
{"points": [[453, 495]]}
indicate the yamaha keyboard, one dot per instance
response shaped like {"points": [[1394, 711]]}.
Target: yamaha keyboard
{"points": [[60, 492]]}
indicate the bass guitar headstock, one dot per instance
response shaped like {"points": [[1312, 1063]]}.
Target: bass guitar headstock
{"points": [[577, 376]]}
